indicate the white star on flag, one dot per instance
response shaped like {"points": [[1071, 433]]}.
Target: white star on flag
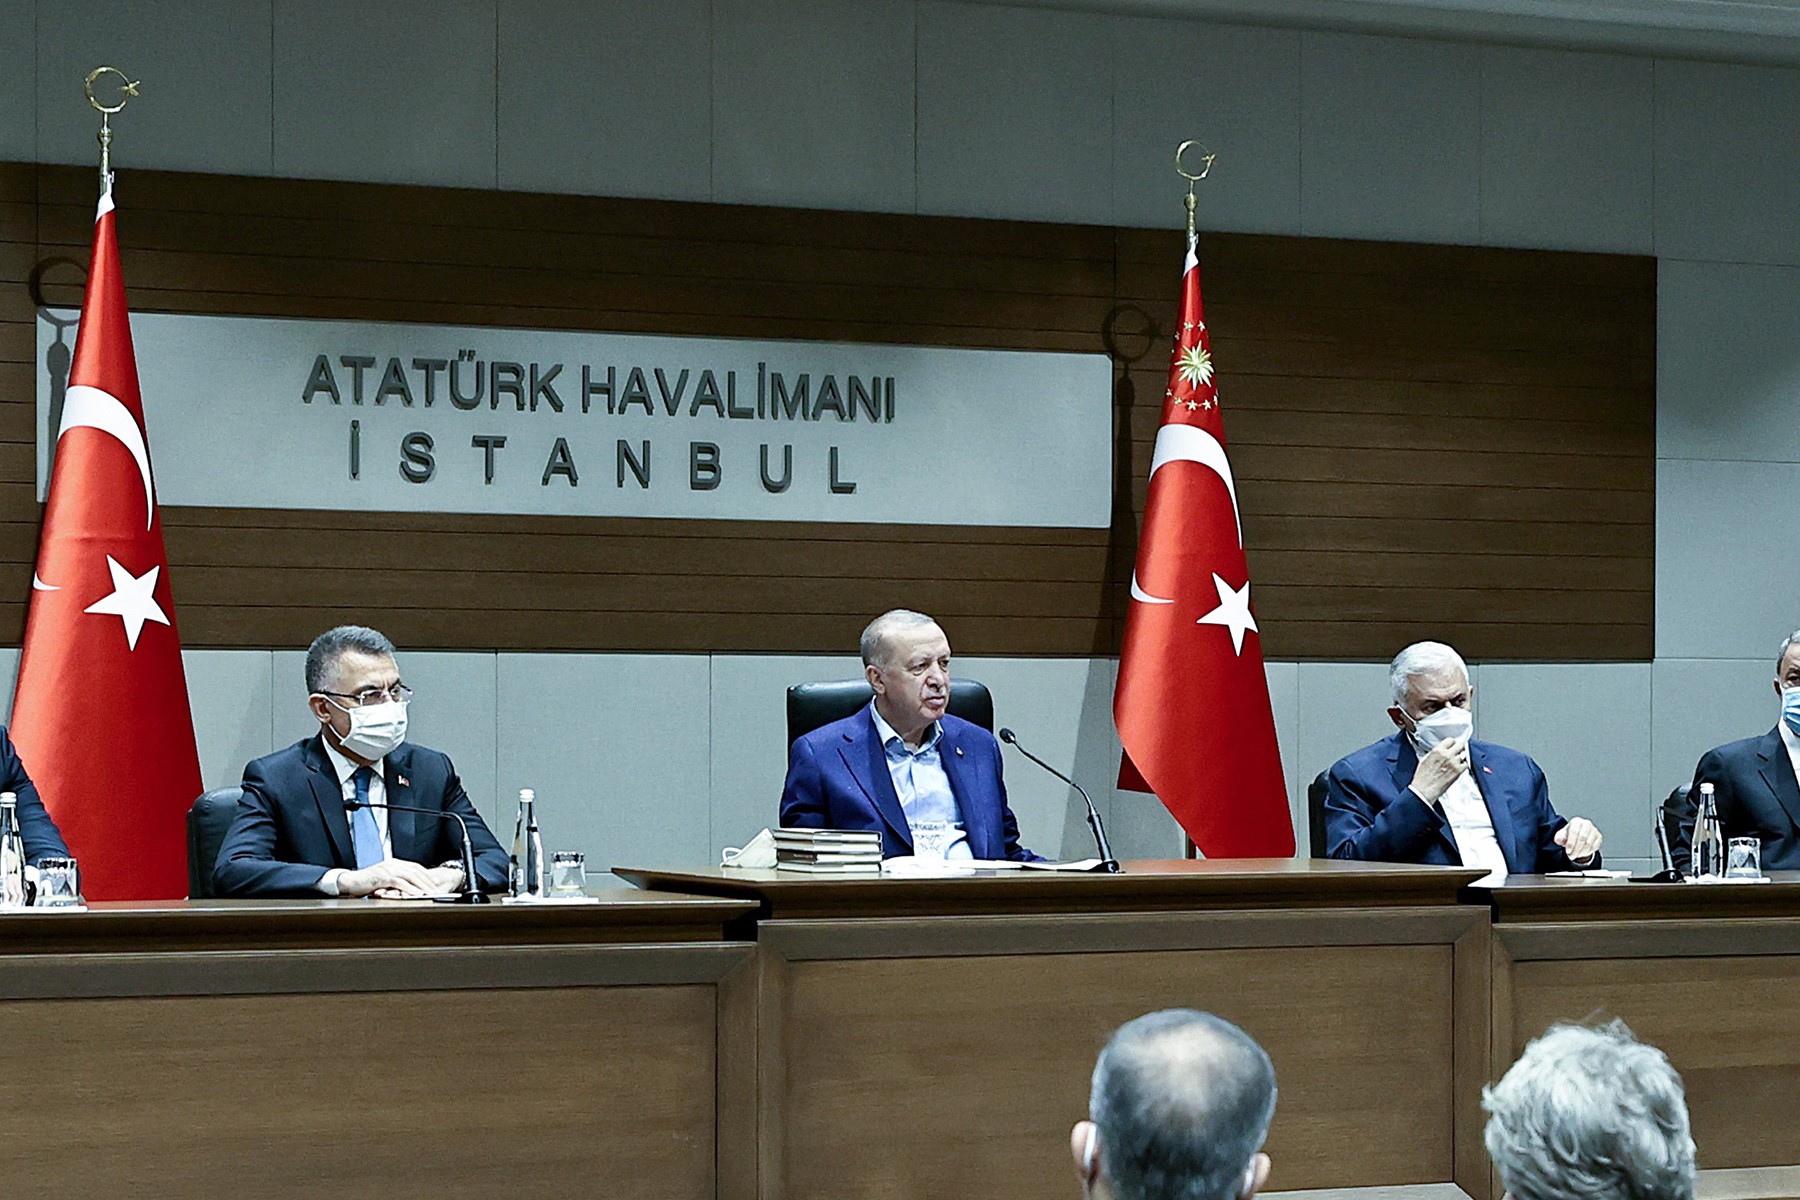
{"points": [[132, 600], [1233, 612]]}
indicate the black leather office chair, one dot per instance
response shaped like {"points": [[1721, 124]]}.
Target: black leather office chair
{"points": [[206, 825], [1678, 826], [810, 705], [1315, 814]]}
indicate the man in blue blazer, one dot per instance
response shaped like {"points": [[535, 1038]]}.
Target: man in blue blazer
{"points": [[1756, 781], [39, 833], [1431, 794], [930, 783], [300, 829]]}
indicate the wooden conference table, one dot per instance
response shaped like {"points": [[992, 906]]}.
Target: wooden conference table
{"points": [[752, 1034]]}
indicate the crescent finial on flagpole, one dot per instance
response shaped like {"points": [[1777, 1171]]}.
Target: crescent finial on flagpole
{"points": [[1206, 164], [128, 87]]}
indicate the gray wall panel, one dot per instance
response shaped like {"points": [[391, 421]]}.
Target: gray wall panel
{"points": [[1015, 113], [401, 92], [1728, 361], [1061, 709], [1588, 726], [617, 748], [1702, 703], [456, 711], [1284, 698], [206, 73], [813, 104], [229, 694], [1390, 135], [1726, 578], [1725, 184], [606, 99], [749, 749], [1234, 88], [1566, 150], [1342, 707], [18, 81]]}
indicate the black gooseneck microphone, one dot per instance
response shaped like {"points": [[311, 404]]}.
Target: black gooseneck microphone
{"points": [[1108, 863], [471, 890]]}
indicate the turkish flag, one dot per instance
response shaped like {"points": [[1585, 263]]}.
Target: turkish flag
{"points": [[1192, 706], [101, 715]]}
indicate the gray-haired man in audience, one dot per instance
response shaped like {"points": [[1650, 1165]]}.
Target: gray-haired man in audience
{"points": [[1180, 1106], [1591, 1114]]}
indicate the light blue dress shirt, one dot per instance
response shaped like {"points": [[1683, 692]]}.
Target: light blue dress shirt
{"points": [[920, 782]]}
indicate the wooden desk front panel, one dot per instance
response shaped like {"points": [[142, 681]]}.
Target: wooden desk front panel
{"points": [[895, 1071], [1731, 1026], [243, 1084]]}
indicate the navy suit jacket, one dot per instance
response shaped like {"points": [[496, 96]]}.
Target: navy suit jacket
{"points": [[36, 829], [1754, 788], [1370, 814], [838, 779], [291, 826]]}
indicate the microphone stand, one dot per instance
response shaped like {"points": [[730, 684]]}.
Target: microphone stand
{"points": [[1108, 863], [471, 891]]}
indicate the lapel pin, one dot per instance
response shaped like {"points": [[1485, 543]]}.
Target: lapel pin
{"points": [[959, 752], [1487, 770], [402, 781]]}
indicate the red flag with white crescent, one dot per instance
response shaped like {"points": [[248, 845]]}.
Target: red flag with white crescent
{"points": [[1192, 705], [100, 717]]}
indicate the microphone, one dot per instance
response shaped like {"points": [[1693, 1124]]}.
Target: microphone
{"points": [[471, 892], [1108, 863]]}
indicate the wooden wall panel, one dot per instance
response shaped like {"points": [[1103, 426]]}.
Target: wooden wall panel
{"points": [[1431, 440]]}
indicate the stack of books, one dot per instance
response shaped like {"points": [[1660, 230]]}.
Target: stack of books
{"points": [[827, 851]]}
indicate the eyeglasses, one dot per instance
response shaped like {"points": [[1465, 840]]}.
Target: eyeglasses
{"points": [[399, 693]]}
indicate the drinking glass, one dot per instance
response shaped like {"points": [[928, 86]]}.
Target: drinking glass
{"points": [[59, 883], [1743, 858], [568, 873]]}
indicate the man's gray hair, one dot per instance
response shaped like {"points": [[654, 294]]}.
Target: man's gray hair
{"points": [[1183, 1101], [876, 633], [1591, 1114], [322, 656], [1781, 654], [1421, 658]]}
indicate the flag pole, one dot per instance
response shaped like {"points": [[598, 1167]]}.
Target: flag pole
{"points": [[128, 87], [1206, 163]]}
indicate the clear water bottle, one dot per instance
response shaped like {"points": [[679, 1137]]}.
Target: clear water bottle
{"points": [[1709, 837], [527, 866], [12, 854]]}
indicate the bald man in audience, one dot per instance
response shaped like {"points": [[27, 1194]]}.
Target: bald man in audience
{"points": [[1179, 1109], [1431, 793]]}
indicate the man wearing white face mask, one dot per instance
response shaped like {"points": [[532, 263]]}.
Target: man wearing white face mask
{"points": [[1432, 794], [1756, 781], [310, 822]]}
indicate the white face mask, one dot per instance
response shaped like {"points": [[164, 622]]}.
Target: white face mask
{"points": [[375, 729], [1447, 722]]}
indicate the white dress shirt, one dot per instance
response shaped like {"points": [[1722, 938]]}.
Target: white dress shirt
{"points": [[1472, 828], [1793, 746], [377, 795]]}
